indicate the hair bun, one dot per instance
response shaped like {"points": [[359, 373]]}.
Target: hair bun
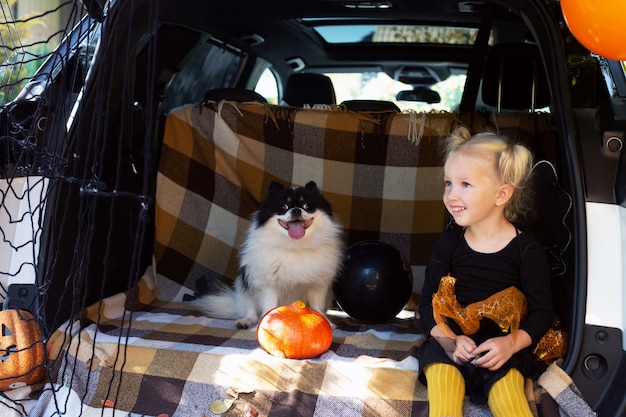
{"points": [[462, 133], [456, 138]]}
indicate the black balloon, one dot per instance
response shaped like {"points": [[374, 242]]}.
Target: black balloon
{"points": [[375, 283]]}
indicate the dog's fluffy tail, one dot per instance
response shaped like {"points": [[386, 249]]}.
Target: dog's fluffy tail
{"points": [[221, 305]]}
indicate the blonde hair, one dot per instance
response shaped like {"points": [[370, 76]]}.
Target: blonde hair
{"points": [[513, 163]]}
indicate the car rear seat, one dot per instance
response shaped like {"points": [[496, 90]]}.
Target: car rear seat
{"points": [[370, 105], [514, 78], [309, 89], [361, 161], [239, 95]]}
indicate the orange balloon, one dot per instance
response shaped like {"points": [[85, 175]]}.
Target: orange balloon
{"points": [[600, 26]]}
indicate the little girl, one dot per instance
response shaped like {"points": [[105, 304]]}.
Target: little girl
{"points": [[484, 178]]}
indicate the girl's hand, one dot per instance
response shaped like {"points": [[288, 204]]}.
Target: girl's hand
{"points": [[463, 351], [459, 348], [497, 351]]}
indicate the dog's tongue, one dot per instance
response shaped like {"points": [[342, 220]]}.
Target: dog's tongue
{"points": [[296, 230]]}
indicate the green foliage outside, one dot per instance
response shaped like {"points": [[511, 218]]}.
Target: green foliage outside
{"points": [[18, 62], [425, 34]]}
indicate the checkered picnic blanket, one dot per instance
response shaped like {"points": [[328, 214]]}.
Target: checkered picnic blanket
{"points": [[381, 171], [146, 352], [162, 359]]}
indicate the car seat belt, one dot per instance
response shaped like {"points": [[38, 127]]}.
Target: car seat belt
{"points": [[477, 63]]}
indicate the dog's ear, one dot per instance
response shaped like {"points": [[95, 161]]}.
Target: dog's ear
{"points": [[275, 186], [311, 186]]}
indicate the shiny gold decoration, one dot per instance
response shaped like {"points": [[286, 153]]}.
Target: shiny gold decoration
{"points": [[552, 345], [506, 308]]}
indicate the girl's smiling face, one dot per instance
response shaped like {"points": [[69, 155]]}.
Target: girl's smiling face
{"points": [[472, 191]]}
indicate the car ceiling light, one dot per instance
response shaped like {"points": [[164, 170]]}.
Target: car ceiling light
{"points": [[296, 63], [368, 5], [253, 39], [472, 6]]}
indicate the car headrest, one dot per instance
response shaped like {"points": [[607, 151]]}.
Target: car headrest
{"points": [[514, 78], [240, 95], [309, 89], [371, 105]]}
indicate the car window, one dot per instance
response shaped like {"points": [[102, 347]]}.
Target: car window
{"points": [[380, 86], [267, 86], [211, 66], [382, 33], [376, 86]]}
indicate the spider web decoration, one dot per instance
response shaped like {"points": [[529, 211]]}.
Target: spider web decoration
{"points": [[549, 221], [76, 190]]}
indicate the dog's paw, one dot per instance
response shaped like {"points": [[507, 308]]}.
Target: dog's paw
{"points": [[246, 323]]}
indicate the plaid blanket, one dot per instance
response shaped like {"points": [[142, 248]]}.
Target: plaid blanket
{"points": [[161, 359], [146, 352], [382, 173]]}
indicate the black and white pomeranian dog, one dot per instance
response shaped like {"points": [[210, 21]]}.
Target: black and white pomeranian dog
{"points": [[292, 251]]}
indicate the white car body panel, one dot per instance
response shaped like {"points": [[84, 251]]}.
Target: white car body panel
{"points": [[606, 281]]}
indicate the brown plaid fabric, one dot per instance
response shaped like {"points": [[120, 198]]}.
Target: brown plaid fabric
{"points": [[160, 359], [380, 171], [150, 354]]}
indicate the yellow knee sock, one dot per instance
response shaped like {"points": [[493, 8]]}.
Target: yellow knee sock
{"points": [[507, 397], [446, 390]]}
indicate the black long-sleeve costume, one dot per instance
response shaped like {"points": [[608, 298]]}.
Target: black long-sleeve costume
{"points": [[523, 264]]}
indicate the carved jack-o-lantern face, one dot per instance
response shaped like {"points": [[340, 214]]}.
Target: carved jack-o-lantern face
{"points": [[21, 350]]}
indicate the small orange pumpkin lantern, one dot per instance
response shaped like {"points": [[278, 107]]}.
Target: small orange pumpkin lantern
{"points": [[21, 350], [294, 331]]}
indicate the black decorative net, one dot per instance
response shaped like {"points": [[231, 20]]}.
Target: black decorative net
{"points": [[76, 182], [80, 127]]}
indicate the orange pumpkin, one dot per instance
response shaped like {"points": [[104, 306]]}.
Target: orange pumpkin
{"points": [[294, 331], [22, 355]]}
